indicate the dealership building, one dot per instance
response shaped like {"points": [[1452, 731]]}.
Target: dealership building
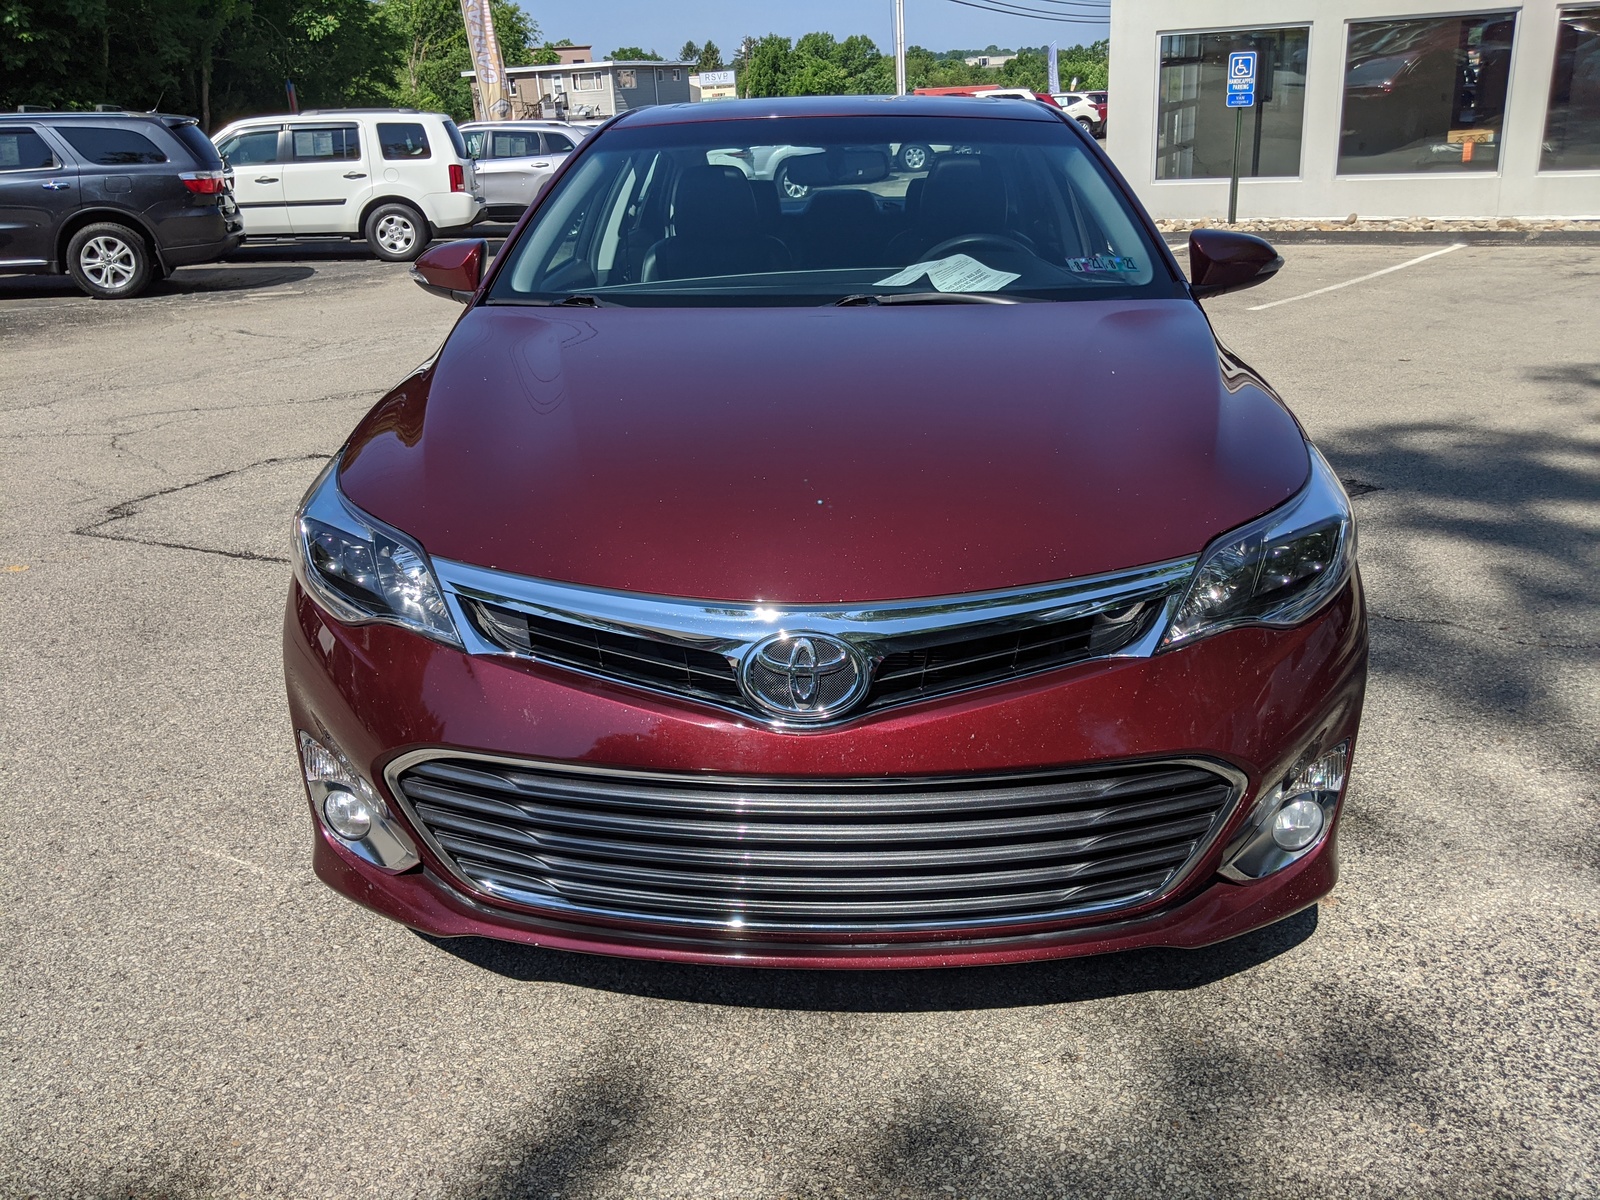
{"points": [[1382, 108]]}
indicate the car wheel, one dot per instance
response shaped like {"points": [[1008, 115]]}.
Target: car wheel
{"points": [[791, 189], [396, 232], [109, 261], [915, 157], [1088, 125]]}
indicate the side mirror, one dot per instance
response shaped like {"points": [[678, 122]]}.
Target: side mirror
{"points": [[452, 270], [1221, 260]]}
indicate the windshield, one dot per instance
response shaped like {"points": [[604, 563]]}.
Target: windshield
{"points": [[865, 208]]}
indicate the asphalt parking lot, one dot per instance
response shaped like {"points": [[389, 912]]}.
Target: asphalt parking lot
{"points": [[186, 1011]]}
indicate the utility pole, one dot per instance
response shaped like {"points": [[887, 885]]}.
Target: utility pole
{"points": [[900, 47]]}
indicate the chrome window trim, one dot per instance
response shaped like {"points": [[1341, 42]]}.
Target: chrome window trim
{"points": [[734, 629], [1238, 781]]}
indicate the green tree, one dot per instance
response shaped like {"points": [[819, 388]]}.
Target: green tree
{"points": [[215, 59], [689, 53], [766, 67], [434, 51], [709, 58], [633, 54]]}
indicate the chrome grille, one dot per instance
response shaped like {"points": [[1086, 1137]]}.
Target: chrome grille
{"points": [[915, 649], [929, 670], [841, 856], [648, 661]]}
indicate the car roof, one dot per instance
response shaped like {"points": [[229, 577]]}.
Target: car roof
{"points": [[554, 126], [834, 106], [328, 114], [168, 119]]}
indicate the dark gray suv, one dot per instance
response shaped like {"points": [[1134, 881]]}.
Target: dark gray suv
{"points": [[115, 199]]}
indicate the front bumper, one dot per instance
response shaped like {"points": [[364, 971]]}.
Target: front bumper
{"points": [[1256, 700]]}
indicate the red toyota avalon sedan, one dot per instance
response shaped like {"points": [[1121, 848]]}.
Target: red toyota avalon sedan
{"points": [[897, 575]]}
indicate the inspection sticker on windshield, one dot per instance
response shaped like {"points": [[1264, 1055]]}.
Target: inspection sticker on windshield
{"points": [[1102, 262], [958, 273]]}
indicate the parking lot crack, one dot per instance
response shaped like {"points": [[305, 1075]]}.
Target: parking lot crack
{"points": [[1492, 635], [128, 509]]}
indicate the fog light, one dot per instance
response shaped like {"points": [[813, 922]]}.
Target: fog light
{"points": [[351, 809], [1289, 820], [348, 815], [1297, 825]]}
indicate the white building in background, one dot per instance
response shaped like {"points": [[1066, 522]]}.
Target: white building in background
{"points": [[1383, 108]]}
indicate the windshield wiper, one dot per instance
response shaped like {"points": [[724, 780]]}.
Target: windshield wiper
{"points": [[868, 299], [574, 301]]}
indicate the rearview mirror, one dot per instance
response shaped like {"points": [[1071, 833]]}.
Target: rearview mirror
{"points": [[1221, 260], [452, 270], [836, 166]]}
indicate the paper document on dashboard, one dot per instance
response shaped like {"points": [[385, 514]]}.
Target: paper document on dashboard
{"points": [[958, 273]]}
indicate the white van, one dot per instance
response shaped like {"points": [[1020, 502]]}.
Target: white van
{"points": [[395, 176]]}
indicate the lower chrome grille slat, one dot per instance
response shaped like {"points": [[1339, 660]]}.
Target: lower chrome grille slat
{"points": [[811, 910], [820, 796], [534, 840], [849, 856], [557, 866], [695, 830]]}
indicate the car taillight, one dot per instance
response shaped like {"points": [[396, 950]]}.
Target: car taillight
{"points": [[204, 183], [458, 178]]}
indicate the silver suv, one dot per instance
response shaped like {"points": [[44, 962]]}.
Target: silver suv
{"points": [[515, 159]]}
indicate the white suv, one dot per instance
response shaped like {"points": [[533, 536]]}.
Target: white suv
{"points": [[396, 177]]}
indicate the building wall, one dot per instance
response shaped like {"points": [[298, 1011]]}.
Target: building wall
{"points": [[654, 85], [1515, 188], [610, 98]]}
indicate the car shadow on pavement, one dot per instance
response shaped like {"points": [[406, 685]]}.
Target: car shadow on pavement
{"points": [[1509, 512], [1063, 981], [186, 281]]}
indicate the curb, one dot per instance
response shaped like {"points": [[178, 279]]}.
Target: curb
{"points": [[1414, 237]]}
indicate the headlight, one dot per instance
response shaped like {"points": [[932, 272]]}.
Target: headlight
{"points": [[1278, 570], [361, 570]]}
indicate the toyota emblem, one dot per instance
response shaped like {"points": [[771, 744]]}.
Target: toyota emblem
{"points": [[804, 677]]}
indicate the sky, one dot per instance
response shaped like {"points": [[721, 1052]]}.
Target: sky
{"points": [[664, 25]]}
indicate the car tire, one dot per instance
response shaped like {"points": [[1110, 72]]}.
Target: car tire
{"points": [[396, 232], [790, 190], [915, 157], [109, 261], [1088, 125]]}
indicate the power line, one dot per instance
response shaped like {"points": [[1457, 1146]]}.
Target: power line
{"points": [[1097, 5], [1011, 11]]}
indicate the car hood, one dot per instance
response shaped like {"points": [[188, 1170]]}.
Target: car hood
{"points": [[822, 455]]}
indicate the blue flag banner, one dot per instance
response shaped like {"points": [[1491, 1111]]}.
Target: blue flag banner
{"points": [[1055, 70]]}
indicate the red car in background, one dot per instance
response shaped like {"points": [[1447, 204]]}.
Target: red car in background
{"points": [[991, 90], [925, 636]]}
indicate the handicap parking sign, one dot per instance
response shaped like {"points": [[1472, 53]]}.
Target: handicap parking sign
{"points": [[1242, 79]]}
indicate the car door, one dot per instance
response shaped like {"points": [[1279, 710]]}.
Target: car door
{"points": [[556, 148], [254, 155], [326, 178], [512, 158], [38, 189]]}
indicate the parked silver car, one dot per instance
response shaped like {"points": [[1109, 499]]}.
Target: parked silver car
{"points": [[515, 159]]}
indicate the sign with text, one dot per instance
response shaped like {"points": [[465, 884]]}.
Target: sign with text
{"points": [[1242, 79], [716, 79]]}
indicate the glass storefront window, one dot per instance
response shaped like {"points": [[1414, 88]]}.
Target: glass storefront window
{"points": [[1195, 128], [1572, 123], [1425, 95]]}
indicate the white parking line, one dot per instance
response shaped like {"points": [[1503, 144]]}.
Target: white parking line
{"points": [[1361, 279]]}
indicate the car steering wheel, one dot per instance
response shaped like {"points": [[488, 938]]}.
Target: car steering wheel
{"points": [[995, 241]]}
